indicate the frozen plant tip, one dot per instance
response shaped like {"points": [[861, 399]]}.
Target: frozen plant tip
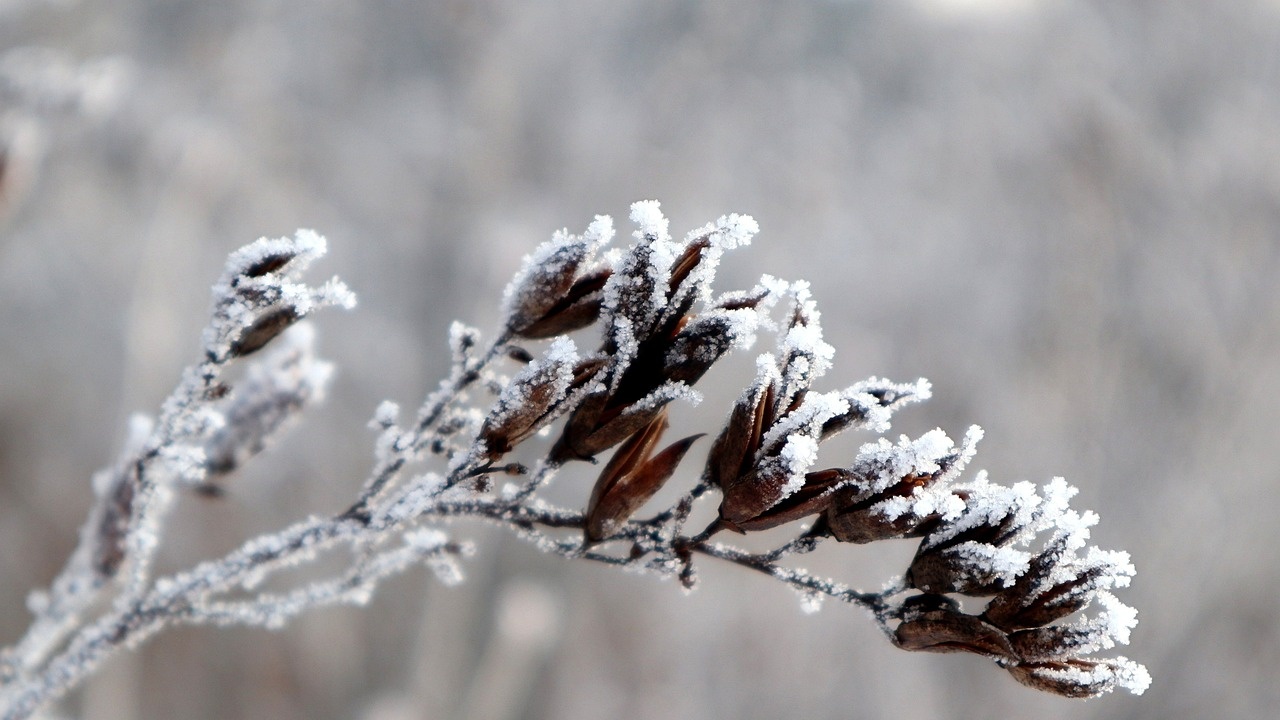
{"points": [[1019, 549]]}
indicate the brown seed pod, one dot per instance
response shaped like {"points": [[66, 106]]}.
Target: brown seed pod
{"points": [[543, 285], [814, 497], [1056, 642], [949, 630], [1070, 678], [698, 344], [737, 444], [578, 308], [632, 477], [854, 517], [532, 400], [754, 493], [264, 329], [950, 570], [269, 263], [689, 259], [1028, 604]]}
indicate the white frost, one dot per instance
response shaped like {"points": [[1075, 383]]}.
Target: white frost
{"points": [[648, 217], [386, 415]]}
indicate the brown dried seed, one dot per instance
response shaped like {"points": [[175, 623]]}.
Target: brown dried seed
{"points": [[586, 415], [742, 301], [941, 568], [991, 531], [1070, 678], [263, 330], [814, 497], [644, 372], [546, 284], [1055, 604], [503, 431], [268, 264], [615, 430], [854, 518], [572, 442], [681, 295], [1015, 608], [538, 391], [762, 420], [1046, 644], [697, 346], [754, 493], [572, 317], [579, 307], [635, 290], [629, 456], [949, 630], [863, 526], [733, 448], [949, 571], [688, 260]]}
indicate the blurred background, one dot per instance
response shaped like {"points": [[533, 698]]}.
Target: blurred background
{"points": [[1066, 214]]}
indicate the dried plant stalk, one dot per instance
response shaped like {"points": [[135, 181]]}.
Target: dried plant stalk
{"points": [[661, 329]]}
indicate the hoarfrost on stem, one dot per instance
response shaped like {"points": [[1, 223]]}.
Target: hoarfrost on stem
{"points": [[1049, 608]]}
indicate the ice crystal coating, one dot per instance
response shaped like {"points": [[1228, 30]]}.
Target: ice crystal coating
{"points": [[1020, 549]]}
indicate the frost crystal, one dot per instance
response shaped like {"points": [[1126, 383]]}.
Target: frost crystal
{"points": [[886, 462], [650, 222]]}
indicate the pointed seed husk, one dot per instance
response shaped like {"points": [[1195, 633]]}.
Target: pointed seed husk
{"points": [[952, 631], [631, 478]]}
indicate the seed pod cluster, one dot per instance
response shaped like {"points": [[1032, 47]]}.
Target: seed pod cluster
{"points": [[973, 537], [1017, 628], [655, 345], [259, 296], [761, 459], [662, 332]]}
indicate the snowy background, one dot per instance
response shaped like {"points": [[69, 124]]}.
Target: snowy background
{"points": [[1065, 214]]}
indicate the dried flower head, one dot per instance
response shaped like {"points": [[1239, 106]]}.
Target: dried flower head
{"points": [[655, 345], [560, 287], [1049, 608]]}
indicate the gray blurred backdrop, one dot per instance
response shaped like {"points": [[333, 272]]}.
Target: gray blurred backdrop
{"points": [[1065, 214]]}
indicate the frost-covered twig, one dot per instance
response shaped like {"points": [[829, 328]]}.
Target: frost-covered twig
{"points": [[662, 328]]}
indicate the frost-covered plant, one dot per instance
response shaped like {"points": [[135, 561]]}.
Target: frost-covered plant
{"points": [[661, 329]]}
